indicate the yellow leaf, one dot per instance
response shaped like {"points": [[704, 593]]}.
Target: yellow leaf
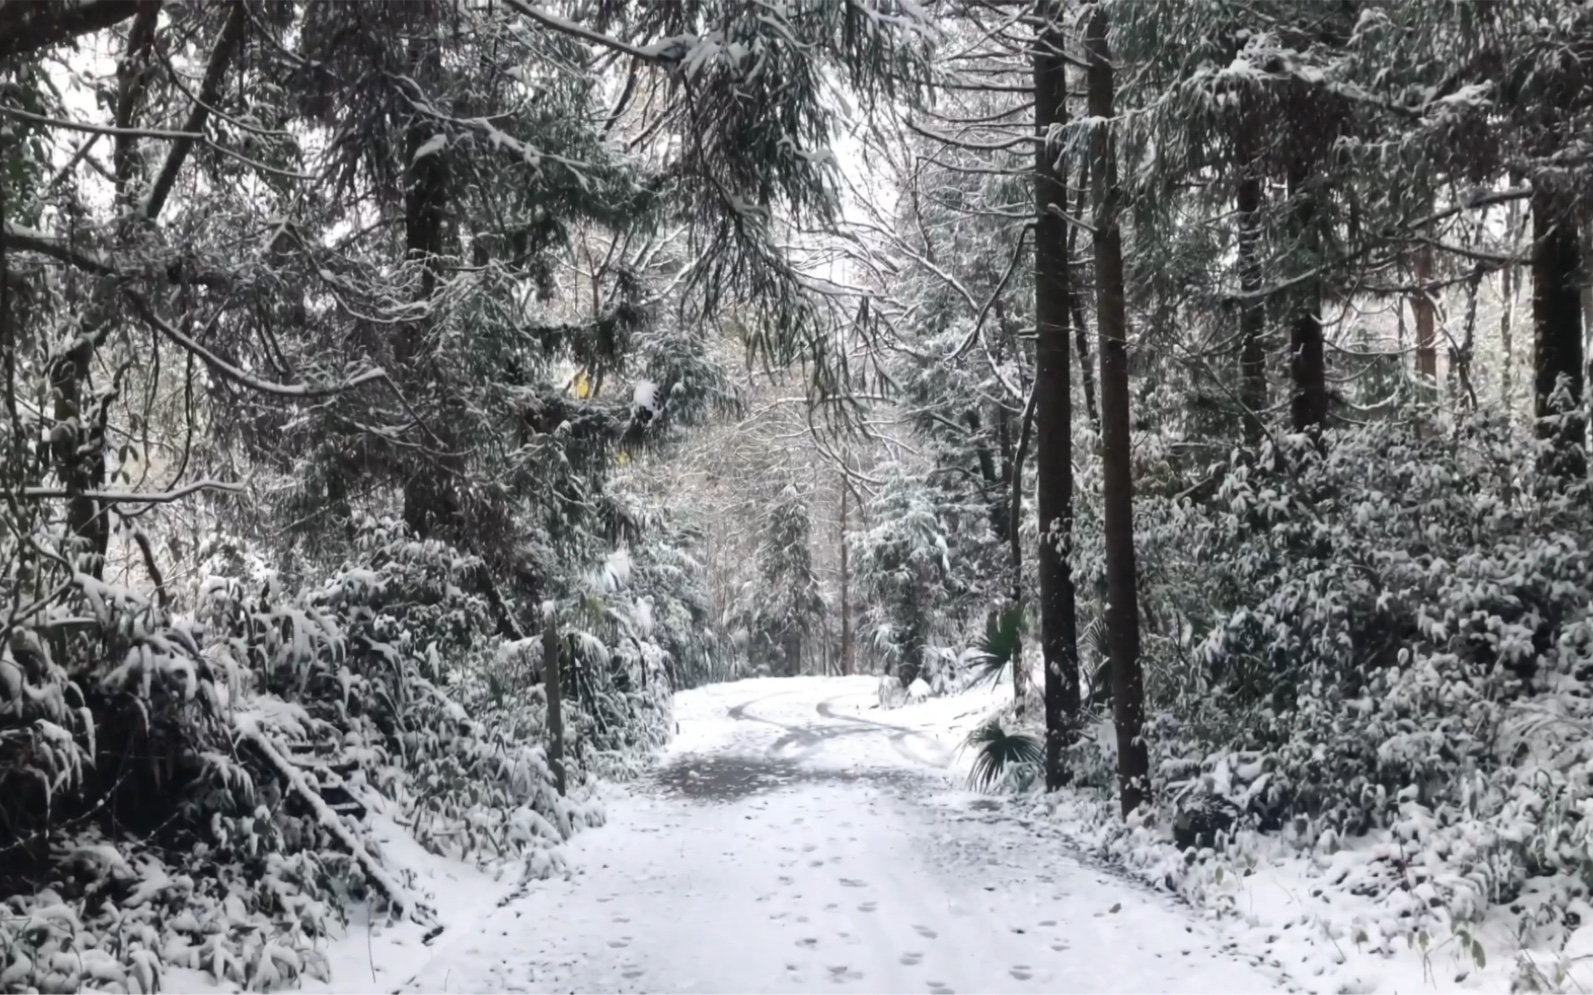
{"points": [[582, 387], [624, 458]]}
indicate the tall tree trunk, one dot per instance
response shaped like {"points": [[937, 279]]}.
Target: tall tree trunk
{"points": [[1252, 309], [1053, 400], [553, 684], [1426, 338], [1308, 405], [846, 587], [1122, 614], [1557, 329], [428, 504], [1081, 331]]}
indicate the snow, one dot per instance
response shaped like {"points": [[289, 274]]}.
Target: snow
{"points": [[795, 836]]}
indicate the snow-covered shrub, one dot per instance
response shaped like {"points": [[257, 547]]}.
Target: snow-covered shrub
{"points": [[1388, 632], [244, 745]]}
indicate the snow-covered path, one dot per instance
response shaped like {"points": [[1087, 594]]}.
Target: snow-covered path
{"points": [[798, 839]]}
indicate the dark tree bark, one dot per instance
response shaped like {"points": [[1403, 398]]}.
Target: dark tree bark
{"points": [[132, 80], [1081, 331], [1426, 335], [1308, 405], [1252, 309], [1557, 332], [553, 685], [1122, 613], [1053, 405], [428, 500]]}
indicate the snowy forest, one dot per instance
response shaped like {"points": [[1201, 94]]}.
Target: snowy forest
{"points": [[407, 404]]}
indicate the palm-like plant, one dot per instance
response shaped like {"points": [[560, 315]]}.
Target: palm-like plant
{"points": [[998, 646], [998, 751]]}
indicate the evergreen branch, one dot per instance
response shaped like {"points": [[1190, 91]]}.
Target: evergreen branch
{"points": [[233, 373], [562, 26]]}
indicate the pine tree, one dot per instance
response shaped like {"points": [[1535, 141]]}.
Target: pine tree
{"points": [[1053, 398], [1128, 708]]}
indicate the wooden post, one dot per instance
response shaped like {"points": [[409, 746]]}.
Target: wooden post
{"points": [[555, 693]]}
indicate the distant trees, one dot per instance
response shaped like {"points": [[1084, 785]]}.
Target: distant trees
{"points": [[788, 607]]}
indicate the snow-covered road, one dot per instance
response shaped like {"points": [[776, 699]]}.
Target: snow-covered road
{"points": [[798, 838]]}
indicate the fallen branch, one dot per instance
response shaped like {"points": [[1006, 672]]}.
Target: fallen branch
{"points": [[329, 819]]}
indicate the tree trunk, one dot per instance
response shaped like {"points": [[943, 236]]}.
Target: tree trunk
{"points": [[427, 501], [1053, 401], [1122, 613], [1426, 339], [1557, 329], [846, 588], [553, 684], [1308, 366], [1252, 309], [1081, 331]]}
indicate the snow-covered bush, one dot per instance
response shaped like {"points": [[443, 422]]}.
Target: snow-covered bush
{"points": [[233, 754], [1390, 631]]}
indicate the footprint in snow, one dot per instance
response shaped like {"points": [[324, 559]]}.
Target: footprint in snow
{"points": [[911, 958], [621, 919], [809, 847], [808, 941], [1060, 946], [854, 883], [925, 932], [815, 863], [1048, 922], [937, 988], [619, 944], [868, 907], [632, 974], [1021, 972], [787, 879]]}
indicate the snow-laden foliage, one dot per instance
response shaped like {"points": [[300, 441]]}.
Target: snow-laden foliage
{"points": [[780, 612], [248, 742], [1387, 634], [906, 580]]}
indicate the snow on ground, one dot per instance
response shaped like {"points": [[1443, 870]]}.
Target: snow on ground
{"points": [[797, 838], [1322, 919]]}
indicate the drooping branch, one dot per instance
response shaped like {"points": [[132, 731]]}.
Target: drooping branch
{"points": [[241, 377]]}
